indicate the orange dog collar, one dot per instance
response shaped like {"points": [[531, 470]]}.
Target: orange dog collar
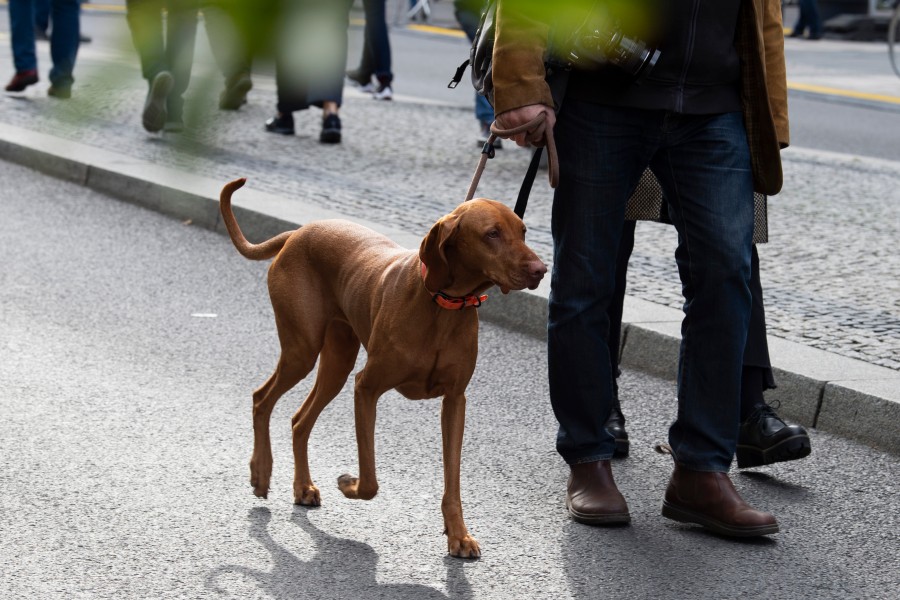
{"points": [[453, 302]]}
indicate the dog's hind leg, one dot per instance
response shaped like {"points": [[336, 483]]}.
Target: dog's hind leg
{"points": [[336, 360], [287, 374]]}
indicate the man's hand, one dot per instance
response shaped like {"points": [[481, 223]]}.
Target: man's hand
{"points": [[523, 115]]}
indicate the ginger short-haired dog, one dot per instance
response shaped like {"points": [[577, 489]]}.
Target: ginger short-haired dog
{"points": [[335, 285]]}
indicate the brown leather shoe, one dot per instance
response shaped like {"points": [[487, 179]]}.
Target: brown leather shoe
{"points": [[592, 496], [22, 80], [709, 499]]}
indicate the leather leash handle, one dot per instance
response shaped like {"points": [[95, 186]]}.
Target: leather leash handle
{"points": [[488, 152]]}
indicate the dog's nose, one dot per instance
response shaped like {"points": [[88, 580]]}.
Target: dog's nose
{"points": [[537, 269]]}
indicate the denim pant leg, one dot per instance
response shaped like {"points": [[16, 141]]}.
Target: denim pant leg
{"points": [[66, 18], [42, 15], [704, 168], [601, 157], [21, 25]]}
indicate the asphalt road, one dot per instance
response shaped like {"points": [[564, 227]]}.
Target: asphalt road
{"points": [[129, 346]]}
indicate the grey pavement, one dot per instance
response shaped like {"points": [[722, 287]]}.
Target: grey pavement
{"points": [[830, 272], [129, 348]]}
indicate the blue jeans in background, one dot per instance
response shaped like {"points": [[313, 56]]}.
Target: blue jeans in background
{"points": [[63, 40], [468, 15], [703, 165]]}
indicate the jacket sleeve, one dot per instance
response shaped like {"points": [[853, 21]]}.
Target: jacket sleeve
{"points": [[776, 71], [520, 41]]}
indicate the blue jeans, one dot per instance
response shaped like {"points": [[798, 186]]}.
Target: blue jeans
{"points": [[63, 39], [808, 18], [703, 164], [469, 17]]}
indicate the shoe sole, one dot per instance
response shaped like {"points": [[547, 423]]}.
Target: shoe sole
{"points": [[155, 113], [683, 515], [330, 137], [607, 519], [792, 448]]}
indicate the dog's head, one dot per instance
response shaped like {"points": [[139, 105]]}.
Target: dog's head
{"points": [[482, 242]]}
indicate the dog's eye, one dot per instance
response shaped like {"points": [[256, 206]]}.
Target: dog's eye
{"points": [[493, 233]]}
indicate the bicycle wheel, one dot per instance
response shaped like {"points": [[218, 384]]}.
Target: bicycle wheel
{"points": [[893, 35]]}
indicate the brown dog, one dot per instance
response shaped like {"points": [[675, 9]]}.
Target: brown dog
{"points": [[335, 285]]}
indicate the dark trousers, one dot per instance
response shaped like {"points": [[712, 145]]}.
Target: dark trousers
{"points": [[703, 165], [757, 367], [165, 43], [376, 54], [63, 38]]}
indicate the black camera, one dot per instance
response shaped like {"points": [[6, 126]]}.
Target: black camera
{"points": [[593, 47]]}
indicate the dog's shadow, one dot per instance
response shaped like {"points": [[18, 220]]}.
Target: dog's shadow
{"points": [[339, 569]]}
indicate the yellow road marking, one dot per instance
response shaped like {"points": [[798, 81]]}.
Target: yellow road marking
{"points": [[437, 30], [830, 91]]}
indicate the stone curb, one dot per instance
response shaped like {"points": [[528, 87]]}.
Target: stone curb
{"points": [[818, 389]]}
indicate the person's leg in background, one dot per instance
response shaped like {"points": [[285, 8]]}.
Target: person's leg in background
{"points": [[230, 29], [166, 54], [468, 15], [21, 26], [181, 36], [376, 55], [764, 438], [64, 40], [42, 19], [310, 59]]}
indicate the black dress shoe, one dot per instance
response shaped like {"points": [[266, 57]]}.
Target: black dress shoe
{"points": [[764, 438], [615, 425], [331, 129], [283, 124]]}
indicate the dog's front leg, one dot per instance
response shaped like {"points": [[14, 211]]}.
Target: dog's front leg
{"points": [[365, 400], [453, 417]]}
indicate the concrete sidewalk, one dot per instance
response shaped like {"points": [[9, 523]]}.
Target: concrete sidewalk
{"points": [[404, 164]]}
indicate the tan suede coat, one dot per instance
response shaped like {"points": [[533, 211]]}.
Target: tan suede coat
{"points": [[518, 76]]}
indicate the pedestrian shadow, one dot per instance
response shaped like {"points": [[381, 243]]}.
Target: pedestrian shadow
{"points": [[339, 569]]}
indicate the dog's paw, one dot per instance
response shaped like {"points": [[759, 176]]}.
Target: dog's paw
{"points": [[464, 547], [351, 488], [260, 490], [307, 495]]}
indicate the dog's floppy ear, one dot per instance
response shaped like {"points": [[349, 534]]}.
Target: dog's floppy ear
{"points": [[432, 252]]}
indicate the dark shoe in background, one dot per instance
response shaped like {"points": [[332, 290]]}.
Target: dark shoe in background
{"points": [[283, 124], [235, 93], [485, 133], [764, 438], [592, 496], [60, 91], [40, 35], [615, 425], [22, 80], [709, 499], [155, 114], [84, 39], [331, 129]]}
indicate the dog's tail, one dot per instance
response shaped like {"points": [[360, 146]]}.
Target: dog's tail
{"points": [[262, 251]]}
